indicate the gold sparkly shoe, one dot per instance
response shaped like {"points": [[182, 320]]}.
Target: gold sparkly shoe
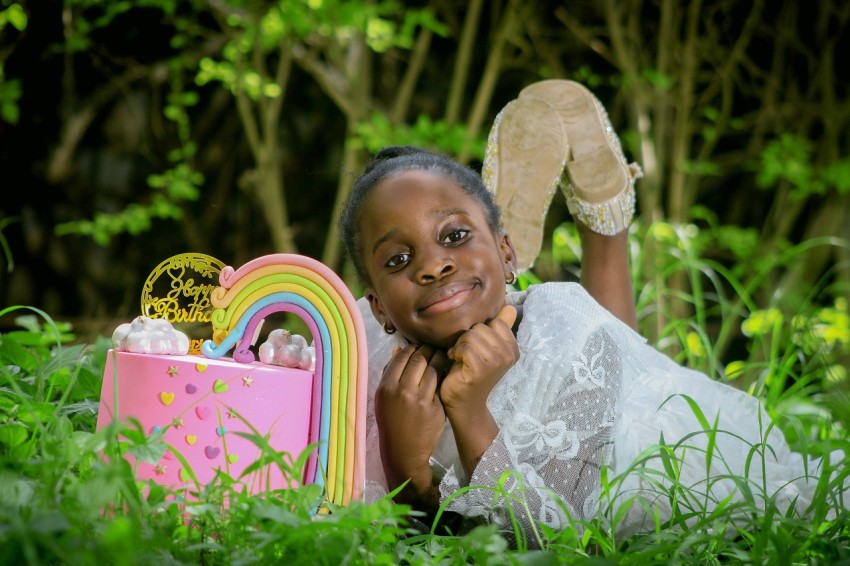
{"points": [[599, 181], [523, 167]]}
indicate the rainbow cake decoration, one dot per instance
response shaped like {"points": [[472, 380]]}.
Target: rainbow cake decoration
{"points": [[206, 405]]}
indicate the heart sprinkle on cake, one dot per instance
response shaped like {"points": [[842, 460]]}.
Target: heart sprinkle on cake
{"points": [[203, 412], [166, 398], [191, 389], [219, 386], [191, 439], [212, 451]]}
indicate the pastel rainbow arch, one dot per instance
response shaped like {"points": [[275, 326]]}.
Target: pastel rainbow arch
{"points": [[306, 287]]}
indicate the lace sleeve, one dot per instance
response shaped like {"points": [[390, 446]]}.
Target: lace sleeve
{"points": [[556, 412]]}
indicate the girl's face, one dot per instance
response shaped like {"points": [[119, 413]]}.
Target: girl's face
{"points": [[435, 267]]}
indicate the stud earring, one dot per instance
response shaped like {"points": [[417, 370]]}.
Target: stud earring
{"points": [[512, 279], [388, 328]]}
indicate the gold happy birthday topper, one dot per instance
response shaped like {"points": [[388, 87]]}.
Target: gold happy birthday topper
{"points": [[179, 288]]}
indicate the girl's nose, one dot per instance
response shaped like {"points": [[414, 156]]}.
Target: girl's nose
{"points": [[435, 268]]}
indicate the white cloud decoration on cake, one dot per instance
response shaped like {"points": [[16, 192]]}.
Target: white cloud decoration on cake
{"points": [[150, 336], [285, 349]]}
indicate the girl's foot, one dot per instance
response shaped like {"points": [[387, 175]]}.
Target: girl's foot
{"points": [[523, 167], [599, 181]]}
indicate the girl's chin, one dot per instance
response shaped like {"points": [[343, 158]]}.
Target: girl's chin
{"points": [[443, 340], [451, 327]]}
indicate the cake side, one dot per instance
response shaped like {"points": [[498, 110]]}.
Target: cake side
{"points": [[199, 404]]}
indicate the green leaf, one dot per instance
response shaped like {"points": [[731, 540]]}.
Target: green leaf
{"points": [[37, 412], [837, 175], [150, 451], [12, 435], [15, 491], [67, 359], [14, 15], [12, 353]]}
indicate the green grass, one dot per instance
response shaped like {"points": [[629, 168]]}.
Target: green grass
{"points": [[61, 502]]}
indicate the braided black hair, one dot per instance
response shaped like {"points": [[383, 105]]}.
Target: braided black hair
{"points": [[394, 160]]}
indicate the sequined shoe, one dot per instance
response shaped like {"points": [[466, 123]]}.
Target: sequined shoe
{"points": [[599, 181], [523, 166]]}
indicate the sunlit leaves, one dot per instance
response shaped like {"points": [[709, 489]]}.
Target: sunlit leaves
{"points": [[694, 344], [762, 322], [10, 94], [180, 183], [13, 15], [827, 327], [426, 132], [380, 34], [735, 369], [250, 82], [566, 244], [790, 159], [837, 175]]}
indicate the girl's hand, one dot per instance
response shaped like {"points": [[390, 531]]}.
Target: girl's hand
{"points": [[410, 420], [481, 356]]}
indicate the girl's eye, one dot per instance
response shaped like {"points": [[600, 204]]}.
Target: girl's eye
{"points": [[398, 260], [455, 236]]}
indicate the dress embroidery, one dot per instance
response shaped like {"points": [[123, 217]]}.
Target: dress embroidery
{"points": [[589, 373], [553, 438]]}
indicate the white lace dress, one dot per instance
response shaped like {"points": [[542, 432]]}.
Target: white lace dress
{"points": [[588, 392]]}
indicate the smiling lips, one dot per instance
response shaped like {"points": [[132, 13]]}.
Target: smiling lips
{"points": [[446, 298]]}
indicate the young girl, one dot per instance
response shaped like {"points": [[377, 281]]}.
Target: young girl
{"points": [[468, 382]]}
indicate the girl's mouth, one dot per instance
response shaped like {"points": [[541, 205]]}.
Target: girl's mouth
{"points": [[446, 298]]}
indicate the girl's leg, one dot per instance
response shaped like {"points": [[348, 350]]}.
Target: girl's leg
{"points": [[599, 188], [606, 273], [555, 118]]}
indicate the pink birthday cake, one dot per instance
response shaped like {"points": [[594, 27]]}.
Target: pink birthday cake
{"points": [[223, 411]]}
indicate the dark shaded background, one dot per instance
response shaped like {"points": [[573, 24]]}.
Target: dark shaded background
{"points": [[94, 286]]}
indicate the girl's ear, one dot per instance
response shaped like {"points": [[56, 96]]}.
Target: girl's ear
{"points": [[378, 310], [509, 261]]}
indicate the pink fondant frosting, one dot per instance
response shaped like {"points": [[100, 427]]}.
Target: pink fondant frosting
{"points": [[201, 405]]}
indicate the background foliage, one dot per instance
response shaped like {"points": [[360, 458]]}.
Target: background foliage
{"points": [[131, 131]]}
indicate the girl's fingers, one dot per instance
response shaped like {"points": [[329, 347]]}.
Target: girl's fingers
{"points": [[507, 315], [441, 363], [478, 343], [501, 324], [417, 370], [398, 361]]}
